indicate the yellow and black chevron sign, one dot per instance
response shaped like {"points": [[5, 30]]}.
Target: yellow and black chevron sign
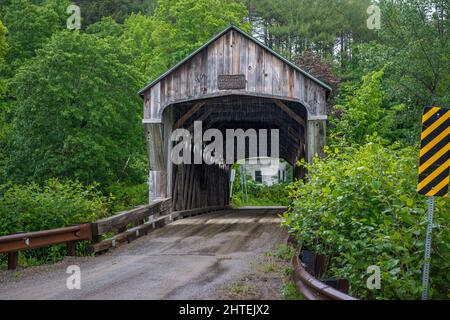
{"points": [[435, 152]]}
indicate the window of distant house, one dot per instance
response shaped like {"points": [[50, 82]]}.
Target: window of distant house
{"points": [[258, 176]]}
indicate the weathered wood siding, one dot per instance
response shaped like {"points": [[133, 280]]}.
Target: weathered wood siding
{"points": [[233, 54]]}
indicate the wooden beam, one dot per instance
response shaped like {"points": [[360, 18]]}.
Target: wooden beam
{"points": [[291, 113], [202, 118], [188, 114]]}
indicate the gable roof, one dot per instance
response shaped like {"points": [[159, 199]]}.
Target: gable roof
{"points": [[245, 34]]}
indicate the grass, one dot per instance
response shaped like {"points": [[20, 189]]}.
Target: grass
{"points": [[239, 290], [282, 251], [289, 292], [270, 277]]}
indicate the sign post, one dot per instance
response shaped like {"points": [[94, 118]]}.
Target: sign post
{"points": [[433, 172], [426, 264]]}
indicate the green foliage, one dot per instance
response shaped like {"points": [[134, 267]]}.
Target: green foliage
{"points": [[413, 48], [362, 113], [77, 113], [4, 47], [56, 204], [126, 196], [258, 194], [106, 27], [297, 25], [415, 34], [283, 251], [30, 207], [30, 26], [289, 291], [137, 36], [181, 26], [360, 206], [3, 42], [119, 10]]}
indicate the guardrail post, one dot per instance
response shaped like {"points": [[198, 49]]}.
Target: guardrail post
{"points": [[13, 260], [71, 249], [96, 238]]}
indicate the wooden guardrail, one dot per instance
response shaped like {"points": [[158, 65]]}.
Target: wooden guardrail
{"points": [[311, 288], [123, 227], [132, 224], [14, 243], [128, 225]]}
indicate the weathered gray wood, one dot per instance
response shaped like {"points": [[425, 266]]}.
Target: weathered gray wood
{"points": [[125, 218], [153, 224], [291, 113], [294, 102], [316, 139], [233, 54]]}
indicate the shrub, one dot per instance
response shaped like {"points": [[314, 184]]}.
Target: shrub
{"points": [[127, 196], [30, 207], [360, 206]]}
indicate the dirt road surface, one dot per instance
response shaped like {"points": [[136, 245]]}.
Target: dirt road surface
{"points": [[188, 259]]}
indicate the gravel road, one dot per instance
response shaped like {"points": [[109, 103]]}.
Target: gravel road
{"points": [[189, 259]]}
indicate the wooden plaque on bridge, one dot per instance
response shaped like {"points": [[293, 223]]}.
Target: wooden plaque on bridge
{"points": [[231, 82]]}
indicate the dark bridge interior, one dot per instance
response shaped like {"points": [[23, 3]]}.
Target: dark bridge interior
{"points": [[202, 185]]}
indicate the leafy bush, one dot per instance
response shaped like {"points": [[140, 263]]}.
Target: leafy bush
{"points": [[360, 206], [361, 111], [30, 207], [125, 196], [86, 125]]}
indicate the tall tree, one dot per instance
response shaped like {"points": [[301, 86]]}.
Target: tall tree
{"points": [[138, 37], [323, 26], [4, 126], [77, 114], [119, 10], [30, 25], [181, 26], [416, 35]]}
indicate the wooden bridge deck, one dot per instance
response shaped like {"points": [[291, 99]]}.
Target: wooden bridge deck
{"points": [[190, 258]]}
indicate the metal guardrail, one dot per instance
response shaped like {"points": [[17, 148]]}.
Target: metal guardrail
{"points": [[14, 243], [311, 288]]}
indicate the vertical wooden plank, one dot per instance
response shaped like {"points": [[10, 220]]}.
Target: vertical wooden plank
{"points": [[251, 85], [297, 85], [259, 67], [183, 87], [291, 82], [243, 56], [71, 248], [268, 75], [204, 73], [228, 54], [147, 104], [235, 47], [316, 138], [13, 260], [276, 77]]}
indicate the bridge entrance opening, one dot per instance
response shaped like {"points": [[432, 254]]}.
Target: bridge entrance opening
{"points": [[262, 182], [258, 129]]}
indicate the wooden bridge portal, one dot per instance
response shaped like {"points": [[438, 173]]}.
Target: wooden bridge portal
{"points": [[232, 82]]}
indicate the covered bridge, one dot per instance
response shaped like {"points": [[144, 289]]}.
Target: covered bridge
{"points": [[232, 82]]}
